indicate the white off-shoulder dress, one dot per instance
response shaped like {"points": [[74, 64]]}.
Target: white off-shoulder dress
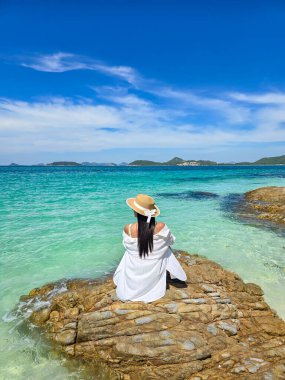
{"points": [[144, 279]]}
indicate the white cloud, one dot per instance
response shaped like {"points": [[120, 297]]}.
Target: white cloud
{"points": [[63, 125], [267, 98], [61, 62], [141, 113], [232, 113], [55, 63]]}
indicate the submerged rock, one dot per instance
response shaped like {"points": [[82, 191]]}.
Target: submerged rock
{"points": [[265, 204], [214, 326], [188, 195]]}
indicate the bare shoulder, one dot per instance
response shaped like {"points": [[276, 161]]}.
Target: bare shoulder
{"points": [[159, 226], [126, 228], [134, 227]]}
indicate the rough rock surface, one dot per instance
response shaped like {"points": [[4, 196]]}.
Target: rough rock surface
{"points": [[213, 327], [266, 203]]}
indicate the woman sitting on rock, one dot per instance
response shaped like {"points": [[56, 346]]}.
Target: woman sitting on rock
{"points": [[141, 274]]}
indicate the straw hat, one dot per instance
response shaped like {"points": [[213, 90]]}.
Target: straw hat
{"points": [[145, 205]]}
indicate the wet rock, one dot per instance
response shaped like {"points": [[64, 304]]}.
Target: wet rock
{"points": [[54, 316], [254, 289], [40, 316], [216, 327], [65, 337]]}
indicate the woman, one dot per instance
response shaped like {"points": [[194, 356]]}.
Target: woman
{"points": [[141, 274]]}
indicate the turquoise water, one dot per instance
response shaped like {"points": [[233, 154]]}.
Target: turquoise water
{"points": [[58, 222]]}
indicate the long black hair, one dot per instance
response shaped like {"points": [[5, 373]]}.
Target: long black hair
{"points": [[145, 235]]}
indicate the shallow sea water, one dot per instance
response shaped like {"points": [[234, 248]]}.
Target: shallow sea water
{"points": [[59, 222]]}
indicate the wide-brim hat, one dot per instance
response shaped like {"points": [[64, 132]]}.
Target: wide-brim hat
{"points": [[145, 205]]}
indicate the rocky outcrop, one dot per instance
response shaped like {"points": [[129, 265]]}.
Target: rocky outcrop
{"points": [[214, 327], [266, 203]]}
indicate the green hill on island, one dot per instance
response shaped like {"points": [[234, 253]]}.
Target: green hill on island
{"points": [[176, 161], [145, 163], [279, 160], [173, 161], [64, 163]]}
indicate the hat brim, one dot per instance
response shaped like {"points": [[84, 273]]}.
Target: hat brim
{"points": [[131, 204]]}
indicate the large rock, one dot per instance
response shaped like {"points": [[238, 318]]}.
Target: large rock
{"points": [[213, 327], [266, 203]]}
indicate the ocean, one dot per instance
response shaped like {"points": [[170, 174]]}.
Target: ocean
{"points": [[67, 222]]}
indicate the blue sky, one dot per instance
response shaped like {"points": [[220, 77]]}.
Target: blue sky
{"points": [[122, 80]]}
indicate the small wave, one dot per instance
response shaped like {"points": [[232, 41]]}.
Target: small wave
{"points": [[24, 309], [57, 290]]}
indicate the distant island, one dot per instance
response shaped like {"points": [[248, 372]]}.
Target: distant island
{"points": [[64, 163], [71, 163], [176, 161]]}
